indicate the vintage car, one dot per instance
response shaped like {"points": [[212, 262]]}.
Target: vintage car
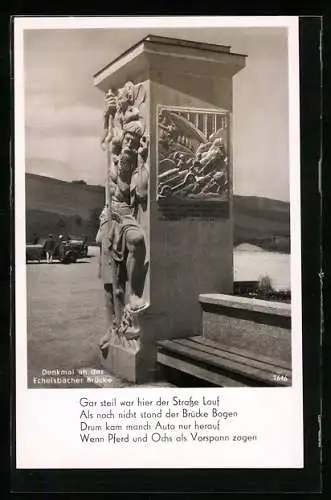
{"points": [[67, 250], [34, 251], [79, 245]]}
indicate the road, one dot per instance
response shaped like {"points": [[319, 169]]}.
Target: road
{"points": [[66, 315]]}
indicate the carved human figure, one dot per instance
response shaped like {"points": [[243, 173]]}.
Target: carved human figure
{"points": [[128, 181], [106, 272], [122, 237], [127, 107], [108, 116]]}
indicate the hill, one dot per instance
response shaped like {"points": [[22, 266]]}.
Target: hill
{"points": [[57, 206], [262, 222]]}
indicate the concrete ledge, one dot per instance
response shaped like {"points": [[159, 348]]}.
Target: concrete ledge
{"points": [[259, 326], [245, 303]]}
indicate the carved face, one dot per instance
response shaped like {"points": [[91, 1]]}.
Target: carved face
{"points": [[131, 142]]}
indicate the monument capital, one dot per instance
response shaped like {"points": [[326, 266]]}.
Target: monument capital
{"points": [[143, 60]]}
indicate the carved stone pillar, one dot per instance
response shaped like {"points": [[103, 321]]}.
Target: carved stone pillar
{"points": [[181, 94]]}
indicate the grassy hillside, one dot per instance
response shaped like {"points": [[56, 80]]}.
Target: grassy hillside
{"points": [[262, 222], [61, 197], [57, 206]]}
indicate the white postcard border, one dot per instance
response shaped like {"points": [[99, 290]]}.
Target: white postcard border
{"points": [[47, 419]]}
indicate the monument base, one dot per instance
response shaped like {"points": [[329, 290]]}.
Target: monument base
{"points": [[129, 359]]}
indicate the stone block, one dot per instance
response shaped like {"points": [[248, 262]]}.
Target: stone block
{"points": [[133, 360], [259, 326]]}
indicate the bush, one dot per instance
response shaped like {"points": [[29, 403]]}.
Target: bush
{"points": [[265, 284]]}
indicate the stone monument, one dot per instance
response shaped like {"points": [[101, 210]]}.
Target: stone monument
{"points": [[167, 221]]}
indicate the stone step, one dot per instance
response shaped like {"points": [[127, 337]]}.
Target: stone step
{"points": [[222, 365]]}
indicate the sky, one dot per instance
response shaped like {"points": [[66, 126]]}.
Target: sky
{"points": [[63, 109]]}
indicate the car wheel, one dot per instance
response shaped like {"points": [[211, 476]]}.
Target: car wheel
{"points": [[73, 258], [67, 257]]}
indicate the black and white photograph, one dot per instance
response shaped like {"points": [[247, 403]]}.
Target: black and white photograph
{"points": [[194, 281], [160, 223]]}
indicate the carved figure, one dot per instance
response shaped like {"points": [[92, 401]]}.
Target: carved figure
{"points": [[109, 113], [127, 185], [106, 272]]}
